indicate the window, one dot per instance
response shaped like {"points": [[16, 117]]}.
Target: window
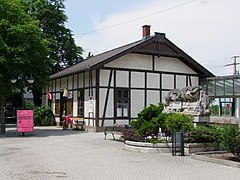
{"points": [[80, 104], [122, 103]]}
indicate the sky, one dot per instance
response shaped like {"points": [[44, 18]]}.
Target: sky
{"points": [[207, 30]]}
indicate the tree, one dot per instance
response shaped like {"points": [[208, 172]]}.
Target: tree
{"points": [[23, 50], [51, 17]]}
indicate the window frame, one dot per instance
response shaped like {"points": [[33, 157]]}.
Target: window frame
{"points": [[80, 103], [122, 102]]}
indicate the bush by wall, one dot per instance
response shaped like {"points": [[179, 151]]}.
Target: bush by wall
{"points": [[43, 116], [203, 134], [177, 121], [230, 140]]}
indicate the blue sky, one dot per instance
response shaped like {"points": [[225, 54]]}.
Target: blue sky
{"points": [[207, 30]]}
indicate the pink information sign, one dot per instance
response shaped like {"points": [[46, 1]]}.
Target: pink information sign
{"points": [[24, 120]]}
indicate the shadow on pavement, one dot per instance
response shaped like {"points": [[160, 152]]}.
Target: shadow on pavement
{"points": [[43, 131]]}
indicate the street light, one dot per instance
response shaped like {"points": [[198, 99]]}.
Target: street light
{"points": [[30, 80]]}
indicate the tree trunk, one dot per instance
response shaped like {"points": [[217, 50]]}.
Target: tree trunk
{"points": [[2, 115]]}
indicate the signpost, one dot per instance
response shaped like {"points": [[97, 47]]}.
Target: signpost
{"points": [[25, 121]]}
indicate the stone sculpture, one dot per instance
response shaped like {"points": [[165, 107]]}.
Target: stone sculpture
{"points": [[191, 100]]}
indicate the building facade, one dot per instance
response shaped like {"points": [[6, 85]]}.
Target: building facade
{"points": [[113, 87]]}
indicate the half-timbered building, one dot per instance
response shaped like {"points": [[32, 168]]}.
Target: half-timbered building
{"points": [[114, 86]]}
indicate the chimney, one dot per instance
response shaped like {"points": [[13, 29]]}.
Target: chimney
{"points": [[146, 31]]}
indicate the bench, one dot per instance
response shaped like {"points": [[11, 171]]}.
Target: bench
{"points": [[78, 124], [115, 129]]}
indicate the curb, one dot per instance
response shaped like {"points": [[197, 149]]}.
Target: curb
{"points": [[215, 160]]}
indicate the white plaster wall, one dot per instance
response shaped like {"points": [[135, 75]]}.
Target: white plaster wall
{"points": [[137, 79], [57, 96], [53, 107], [164, 94], [87, 105], [64, 82], [70, 82], [75, 82], [110, 104], [167, 81], [53, 86], [122, 78], [137, 102], [171, 65], [80, 80], [153, 80], [194, 80], [94, 78], [104, 77], [132, 61], [153, 97], [181, 81], [107, 122], [57, 84], [122, 121], [74, 103], [86, 79]]}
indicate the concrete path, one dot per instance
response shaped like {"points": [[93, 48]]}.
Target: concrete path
{"points": [[52, 153]]}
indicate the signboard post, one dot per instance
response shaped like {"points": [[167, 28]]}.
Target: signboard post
{"points": [[24, 121]]}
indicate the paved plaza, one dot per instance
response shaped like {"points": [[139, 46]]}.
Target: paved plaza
{"points": [[52, 153]]}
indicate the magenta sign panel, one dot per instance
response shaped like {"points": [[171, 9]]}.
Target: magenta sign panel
{"points": [[24, 120]]}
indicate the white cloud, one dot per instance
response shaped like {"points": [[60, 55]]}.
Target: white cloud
{"points": [[206, 30]]}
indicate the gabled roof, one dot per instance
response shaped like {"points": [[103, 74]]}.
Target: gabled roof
{"points": [[155, 45]]}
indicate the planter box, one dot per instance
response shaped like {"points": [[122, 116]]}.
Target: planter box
{"points": [[191, 148], [149, 147]]}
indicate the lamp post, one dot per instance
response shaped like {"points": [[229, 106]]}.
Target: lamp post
{"points": [[29, 80]]}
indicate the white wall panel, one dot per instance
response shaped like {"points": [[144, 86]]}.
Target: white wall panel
{"points": [[104, 77], [80, 80], [153, 80], [75, 81], [74, 103], [122, 78], [132, 61], [137, 102], [94, 78], [86, 79], [53, 86], [153, 97], [137, 79], [167, 81], [164, 94], [58, 85], [172, 65], [64, 82], [181, 81], [194, 80], [110, 104], [70, 82]]}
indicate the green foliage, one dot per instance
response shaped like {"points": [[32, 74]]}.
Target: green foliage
{"points": [[43, 116], [149, 120], [231, 140], [29, 105], [203, 134], [52, 19], [214, 109], [178, 121], [23, 48]]}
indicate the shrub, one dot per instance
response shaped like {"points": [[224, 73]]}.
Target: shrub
{"points": [[43, 116], [131, 135], [231, 140], [149, 120], [203, 134], [178, 121]]}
